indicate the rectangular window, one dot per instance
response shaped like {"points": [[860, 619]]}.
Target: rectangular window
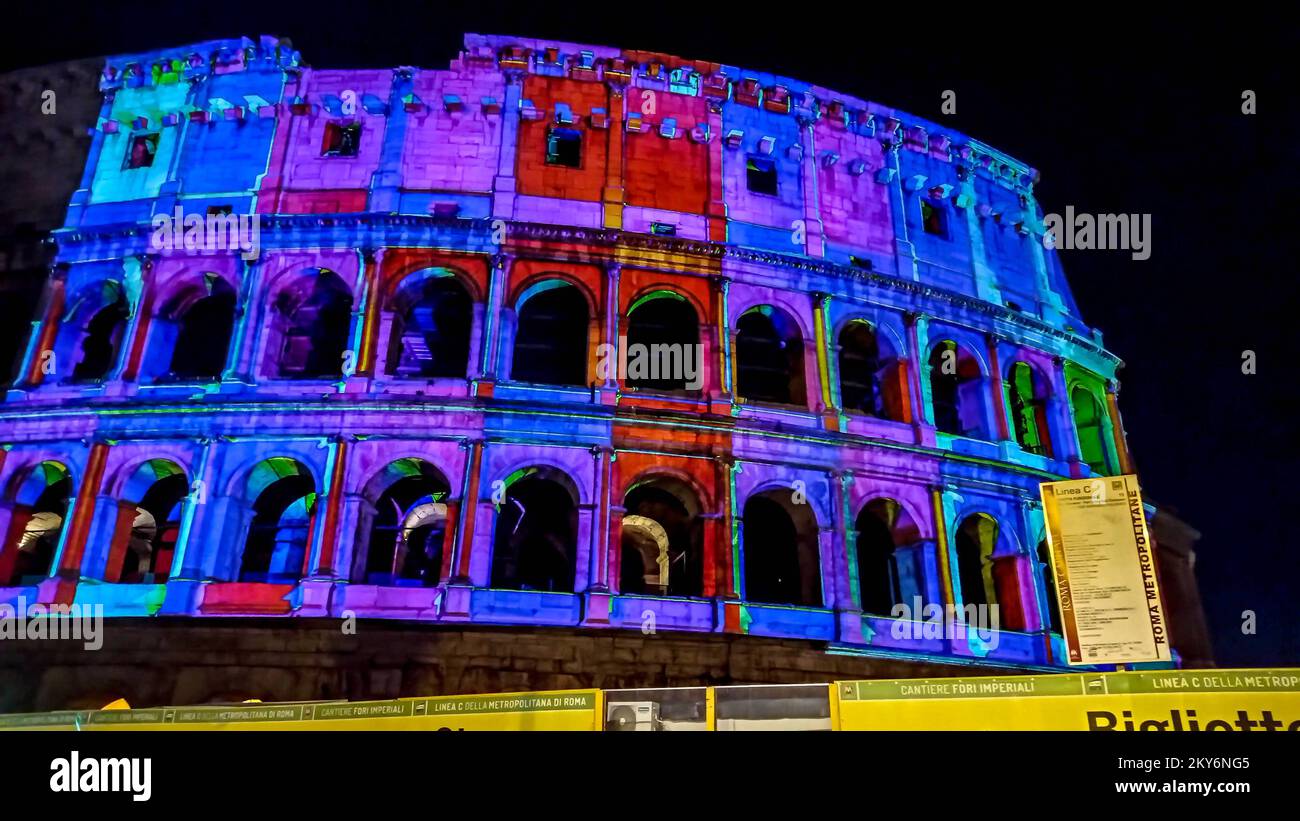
{"points": [[760, 175], [142, 151], [934, 219], [341, 140], [564, 147]]}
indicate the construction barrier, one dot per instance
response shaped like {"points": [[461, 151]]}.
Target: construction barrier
{"points": [[1169, 700]]}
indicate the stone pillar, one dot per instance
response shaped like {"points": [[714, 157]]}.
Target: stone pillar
{"points": [[814, 242], [492, 327], [138, 329], [76, 529], [1067, 448], [997, 391], [729, 569], [603, 529], [108, 542], [185, 565], [612, 196], [726, 344], [826, 364], [371, 310], [248, 325], [13, 521], [322, 558], [717, 208], [503, 184], [610, 335], [469, 508], [45, 331], [942, 548], [1117, 428], [892, 176], [918, 372], [352, 512], [386, 183]]}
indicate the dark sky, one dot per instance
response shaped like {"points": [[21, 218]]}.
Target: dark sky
{"points": [[1120, 113]]}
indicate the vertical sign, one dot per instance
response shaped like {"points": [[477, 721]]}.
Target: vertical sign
{"points": [[1104, 565]]}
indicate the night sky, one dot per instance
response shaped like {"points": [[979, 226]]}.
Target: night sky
{"points": [[1120, 115]]}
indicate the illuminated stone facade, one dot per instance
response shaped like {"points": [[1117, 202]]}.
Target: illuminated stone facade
{"points": [[399, 404]]}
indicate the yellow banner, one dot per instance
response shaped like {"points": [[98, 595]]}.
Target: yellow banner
{"points": [[558, 710], [1167, 700]]}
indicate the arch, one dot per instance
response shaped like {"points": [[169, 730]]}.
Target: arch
{"points": [[770, 357], [142, 550], [872, 378], [282, 494], [310, 322], [989, 576], [552, 325], [1090, 425], [1027, 394], [432, 319], [41, 495], [782, 556], [402, 538], [190, 337], [536, 540], [663, 343], [957, 394], [890, 563], [662, 545], [98, 321]]}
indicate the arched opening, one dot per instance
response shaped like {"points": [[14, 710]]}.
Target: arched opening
{"points": [[871, 377], [957, 391], [313, 318], [284, 498], [663, 540], [782, 561], [144, 555], [431, 328], [551, 336], [201, 329], [977, 538], [663, 341], [889, 561], [536, 541], [1027, 393], [41, 502], [408, 529], [1089, 423], [1049, 581], [769, 357], [102, 337]]}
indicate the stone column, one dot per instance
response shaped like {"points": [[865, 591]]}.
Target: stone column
{"points": [[45, 332], [76, 529]]}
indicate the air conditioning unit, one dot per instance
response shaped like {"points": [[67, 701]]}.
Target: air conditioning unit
{"points": [[632, 716]]}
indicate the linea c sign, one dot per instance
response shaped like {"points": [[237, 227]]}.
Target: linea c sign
{"points": [[1104, 566]]}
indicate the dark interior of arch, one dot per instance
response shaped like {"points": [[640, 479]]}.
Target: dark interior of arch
{"points": [[535, 546], [34, 564], [955, 391], [551, 338], [396, 554], [317, 332], [781, 555], [871, 378], [769, 360], [430, 336], [157, 545], [663, 322], [878, 565], [685, 543], [203, 335], [272, 532], [99, 344]]}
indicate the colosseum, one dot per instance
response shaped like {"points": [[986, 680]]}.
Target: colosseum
{"points": [[564, 366]]}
